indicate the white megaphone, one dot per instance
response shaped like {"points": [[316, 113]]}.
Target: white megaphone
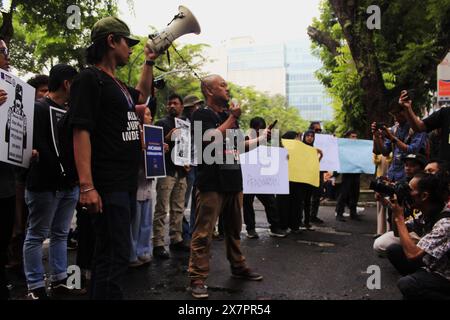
{"points": [[183, 23]]}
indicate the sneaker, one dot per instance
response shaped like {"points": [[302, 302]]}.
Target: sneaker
{"points": [[317, 220], [61, 290], [37, 294], [136, 264], [309, 227], [278, 233], [72, 244], [252, 234], [345, 214], [180, 246], [360, 210], [198, 289], [246, 274], [218, 237], [160, 253], [145, 258]]}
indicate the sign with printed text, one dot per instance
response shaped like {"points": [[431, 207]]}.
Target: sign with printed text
{"points": [[16, 121], [265, 171], [155, 166]]}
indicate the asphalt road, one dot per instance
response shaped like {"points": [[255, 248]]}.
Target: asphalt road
{"points": [[329, 263]]}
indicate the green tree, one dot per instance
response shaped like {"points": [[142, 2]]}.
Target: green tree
{"points": [[39, 36], [271, 108], [178, 75], [365, 70]]}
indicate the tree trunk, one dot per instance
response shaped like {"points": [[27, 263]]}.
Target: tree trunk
{"points": [[360, 41]]}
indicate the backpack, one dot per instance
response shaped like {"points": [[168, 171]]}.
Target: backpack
{"points": [[65, 138]]}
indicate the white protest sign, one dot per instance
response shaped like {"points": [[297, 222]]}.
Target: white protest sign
{"points": [[16, 121], [182, 149], [265, 171], [329, 146]]}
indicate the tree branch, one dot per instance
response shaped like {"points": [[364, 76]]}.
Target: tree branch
{"points": [[325, 39], [7, 29]]}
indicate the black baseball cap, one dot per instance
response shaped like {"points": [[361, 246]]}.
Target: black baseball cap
{"points": [[418, 158], [112, 25]]}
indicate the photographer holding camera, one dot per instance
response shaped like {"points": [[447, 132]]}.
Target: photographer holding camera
{"points": [[438, 120], [425, 265], [401, 140], [414, 164]]}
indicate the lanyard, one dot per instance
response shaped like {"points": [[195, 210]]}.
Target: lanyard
{"points": [[124, 90], [126, 94]]}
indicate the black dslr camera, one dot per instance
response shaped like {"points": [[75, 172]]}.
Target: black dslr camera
{"points": [[400, 189]]}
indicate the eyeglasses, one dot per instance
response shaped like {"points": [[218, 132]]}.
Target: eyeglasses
{"points": [[4, 51]]}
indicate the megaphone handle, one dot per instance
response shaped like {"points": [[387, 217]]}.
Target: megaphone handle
{"points": [[180, 15]]}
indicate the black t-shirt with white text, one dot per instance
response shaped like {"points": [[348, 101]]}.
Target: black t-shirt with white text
{"points": [[441, 120], [106, 108]]}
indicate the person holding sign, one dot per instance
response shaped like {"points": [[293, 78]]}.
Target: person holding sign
{"points": [[171, 190], [306, 190], [7, 190], [258, 124], [349, 190], [107, 148], [50, 198], [141, 223]]}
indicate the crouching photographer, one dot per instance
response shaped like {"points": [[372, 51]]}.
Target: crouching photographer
{"points": [[413, 164], [425, 265]]}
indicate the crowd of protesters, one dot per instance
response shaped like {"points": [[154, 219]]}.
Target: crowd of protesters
{"points": [[101, 177]]}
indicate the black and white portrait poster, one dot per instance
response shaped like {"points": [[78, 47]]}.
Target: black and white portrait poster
{"points": [[16, 121], [182, 149]]}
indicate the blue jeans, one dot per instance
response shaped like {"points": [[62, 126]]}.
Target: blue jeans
{"points": [[141, 230], [50, 216], [112, 244]]}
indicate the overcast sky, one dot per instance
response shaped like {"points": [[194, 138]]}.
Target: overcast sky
{"points": [[266, 21]]}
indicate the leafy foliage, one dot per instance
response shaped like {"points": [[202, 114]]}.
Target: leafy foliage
{"points": [[413, 40]]}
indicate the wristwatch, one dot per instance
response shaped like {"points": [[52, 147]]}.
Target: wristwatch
{"points": [[150, 62]]}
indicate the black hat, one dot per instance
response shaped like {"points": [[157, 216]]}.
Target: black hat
{"points": [[418, 158]]}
